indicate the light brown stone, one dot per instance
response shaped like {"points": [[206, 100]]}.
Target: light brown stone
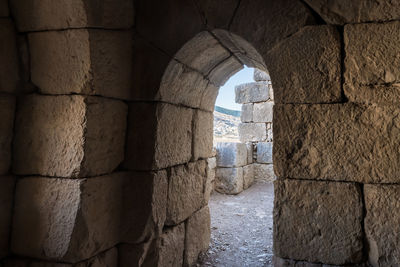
{"points": [[39, 15], [217, 14], [198, 235], [9, 69], [209, 185], [7, 110], [139, 255], [223, 71], [318, 221], [172, 246], [382, 214], [4, 12], [343, 142], [342, 11], [264, 172], [203, 125], [209, 97], [69, 220], [229, 180], [69, 136], [371, 64], [185, 191], [248, 176], [6, 205], [312, 74], [96, 62]]}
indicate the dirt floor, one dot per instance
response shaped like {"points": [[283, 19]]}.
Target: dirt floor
{"points": [[241, 228]]}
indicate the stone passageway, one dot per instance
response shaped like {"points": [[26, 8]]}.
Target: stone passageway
{"points": [[241, 228]]}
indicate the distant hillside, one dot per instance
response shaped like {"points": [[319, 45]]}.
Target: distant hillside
{"points": [[226, 111]]}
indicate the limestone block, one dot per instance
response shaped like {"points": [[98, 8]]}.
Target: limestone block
{"points": [[251, 92], [217, 14], [144, 206], [247, 113], [69, 136], [318, 221], [209, 97], [144, 254], [7, 110], [264, 172], [25, 86], [372, 63], [230, 154], [185, 191], [198, 234], [95, 62], [264, 152], [260, 76], [67, 220], [252, 132], [4, 12], [341, 12], [250, 150], [203, 125], [39, 15], [209, 186], [229, 180], [382, 209], [312, 74], [223, 71], [159, 136], [248, 176], [263, 112], [172, 246], [337, 142], [270, 134], [6, 206], [9, 72]]}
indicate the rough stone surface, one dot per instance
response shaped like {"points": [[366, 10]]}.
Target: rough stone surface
{"points": [[39, 15], [248, 176], [229, 180], [247, 113], [222, 72], [209, 97], [209, 186], [318, 221], [159, 136], [6, 205], [371, 64], [264, 152], [251, 92], [203, 124], [7, 110], [312, 74], [4, 12], [342, 12], [144, 254], [172, 246], [382, 209], [96, 62], [337, 142], [264, 172], [231, 154], [198, 235], [69, 220], [252, 132], [69, 136], [263, 112], [217, 14], [250, 149], [260, 76], [9, 72], [185, 191]]}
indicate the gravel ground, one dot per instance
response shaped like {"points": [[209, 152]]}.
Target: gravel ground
{"points": [[241, 228]]}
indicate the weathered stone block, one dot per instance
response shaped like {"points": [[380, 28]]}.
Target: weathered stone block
{"points": [[209, 97], [4, 12], [159, 136], [9, 69], [251, 92], [95, 62], [337, 142], [371, 64], [247, 113], [230, 154], [229, 180], [223, 71], [264, 172], [198, 234], [270, 134], [263, 112], [264, 152], [144, 254], [260, 76], [69, 136], [39, 15], [209, 186], [7, 184], [217, 14], [248, 176], [312, 74], [250, 151], [66, 220], [203, 125], [382, 211], [185, 191], [7, 110], [318, 221], [172, 246], [252, 132]]}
